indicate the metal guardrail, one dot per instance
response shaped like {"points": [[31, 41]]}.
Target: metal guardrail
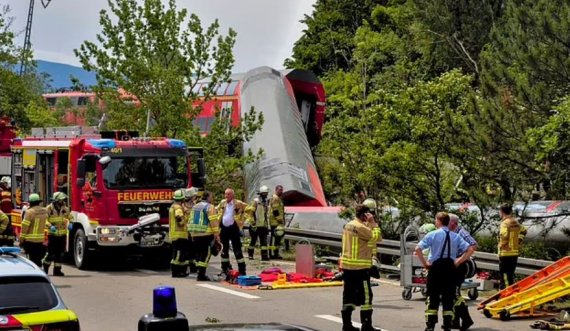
{"points": [[485, 261]]}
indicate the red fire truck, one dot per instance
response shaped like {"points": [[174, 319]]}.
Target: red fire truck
{"points": [[119, 185]]}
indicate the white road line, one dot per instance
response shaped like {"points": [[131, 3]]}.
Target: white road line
{"points": [[228, 291], [145, 271], [339, 320]]}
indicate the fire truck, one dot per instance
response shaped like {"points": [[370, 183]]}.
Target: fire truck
{"points": [[119, 185]]}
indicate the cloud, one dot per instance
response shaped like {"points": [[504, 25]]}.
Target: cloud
{"points": [[267, 29]]}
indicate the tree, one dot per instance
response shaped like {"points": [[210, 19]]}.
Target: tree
{"points": [[327, 42], [158, 55], [16, 92]]}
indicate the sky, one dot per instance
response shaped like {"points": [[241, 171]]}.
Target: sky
{"points": [[267, 29]]}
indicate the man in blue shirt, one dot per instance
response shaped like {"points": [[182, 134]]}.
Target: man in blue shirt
{"points": [[460, 309], [442, 261]]}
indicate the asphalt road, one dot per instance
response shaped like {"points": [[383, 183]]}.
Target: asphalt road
{"points": [[114, 298]]}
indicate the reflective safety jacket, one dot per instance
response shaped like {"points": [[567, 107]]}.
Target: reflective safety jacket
{"points": [[276, 211], [511, 235], [177, 222], [356, 239], [258, 211], [5, 227], [34, 225], [59, 219], [203, 220], [6, 201], [239, 211]]}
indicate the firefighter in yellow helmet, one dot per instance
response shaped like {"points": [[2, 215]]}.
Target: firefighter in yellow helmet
{"points": [[356, 261], [276, 221], [511, 235], [259, 227], [33, 227], [178, 235], [204, 228], [58, 219]]}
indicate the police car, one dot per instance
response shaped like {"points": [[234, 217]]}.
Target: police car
{"points": [[28, 300]]}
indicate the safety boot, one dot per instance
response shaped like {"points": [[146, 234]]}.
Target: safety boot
{"points": [[202, 275], [57, 272], [366, 320], [241, 268], [250, 252], [347, 321]]}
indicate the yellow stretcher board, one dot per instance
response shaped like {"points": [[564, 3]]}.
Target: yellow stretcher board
{"points": [[557, 269], [527, 301]]}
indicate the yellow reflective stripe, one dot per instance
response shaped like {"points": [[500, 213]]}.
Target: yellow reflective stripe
{"points": [[45, 317], [367, 302], [354, 247]]}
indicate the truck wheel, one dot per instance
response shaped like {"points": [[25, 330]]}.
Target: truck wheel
{"points": [[473, 294], [80, 253], [407, 294]]}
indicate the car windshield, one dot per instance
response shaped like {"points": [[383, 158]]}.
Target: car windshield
{"points": [[26, 294], [146, 172]]}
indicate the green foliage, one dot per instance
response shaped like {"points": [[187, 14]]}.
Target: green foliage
{"points": [[16, 93], [158, 54], [327, 43], [40, 116], [446, 101]]}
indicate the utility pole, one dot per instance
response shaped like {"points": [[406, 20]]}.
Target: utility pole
{"points": [[27, 41]]}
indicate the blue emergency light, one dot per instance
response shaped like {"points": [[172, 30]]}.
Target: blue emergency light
{"points": [[164, 302], [165, 315], [10, 250]]}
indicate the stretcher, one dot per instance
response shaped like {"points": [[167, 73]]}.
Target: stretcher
{"points": [[527, 301], [558, 269]]}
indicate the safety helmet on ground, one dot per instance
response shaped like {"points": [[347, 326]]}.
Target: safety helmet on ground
{"points": [[59, 196], [6, 180], [34, 197], [370, 203], [279, 231], [263, 189], [178, 195], [189, 193]]}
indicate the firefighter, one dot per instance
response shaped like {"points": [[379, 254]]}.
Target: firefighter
{"points": [[258, 210], [189, 196], [356, 261], [205, 231], [231, 211], [58, 219], [6, 231], [375, 269], [33, 227], [511, 235], [6, 195], [276, 220], [441, 264], [178, 236]]}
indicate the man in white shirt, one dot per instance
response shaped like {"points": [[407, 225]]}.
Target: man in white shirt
{"points": [[231, 212]]}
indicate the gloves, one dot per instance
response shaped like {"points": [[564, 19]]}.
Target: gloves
{"points": [[53, 229]]}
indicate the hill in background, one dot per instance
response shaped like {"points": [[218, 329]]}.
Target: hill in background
{"points": [[60, 74]]}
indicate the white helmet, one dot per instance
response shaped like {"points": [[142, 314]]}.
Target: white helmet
{"points": [[190, 192], [6, 180], [263, 189]]}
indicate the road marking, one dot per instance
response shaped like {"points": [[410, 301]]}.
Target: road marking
{"points": [[228, 291], [144, 271], [339, 320]]}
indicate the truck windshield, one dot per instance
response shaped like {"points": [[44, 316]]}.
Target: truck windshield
{"points": [[146, 172]]}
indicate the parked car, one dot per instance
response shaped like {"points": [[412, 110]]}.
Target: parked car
{"points": [[28, 300]]}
